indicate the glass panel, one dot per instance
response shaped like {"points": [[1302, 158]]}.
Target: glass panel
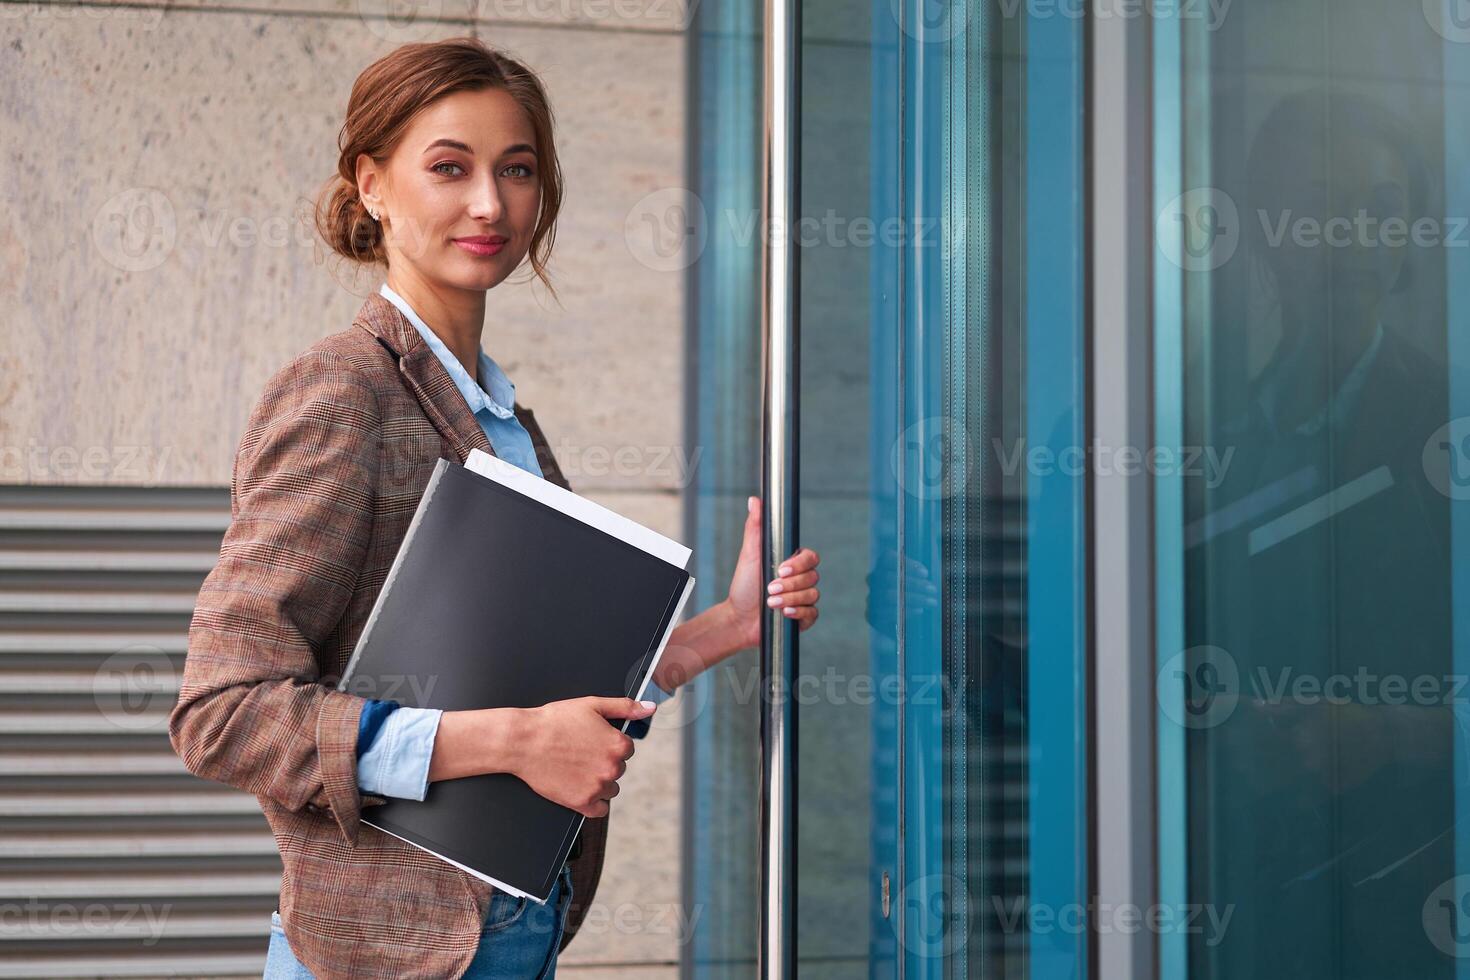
{"points": [[847, 716], [1006, 376], [1311, 183], [719, 711], [977, 391], [941, 383]]}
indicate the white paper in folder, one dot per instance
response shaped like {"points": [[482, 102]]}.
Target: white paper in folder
{"points": [[575, 505]]}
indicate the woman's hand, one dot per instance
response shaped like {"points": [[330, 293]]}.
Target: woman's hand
{"points": [[566, 751], [794, 590]]}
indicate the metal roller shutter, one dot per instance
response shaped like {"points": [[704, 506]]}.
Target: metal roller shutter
{"points": [[114, 861]]}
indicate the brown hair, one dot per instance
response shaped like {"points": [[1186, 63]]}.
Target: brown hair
{"points": [[385, 98]]}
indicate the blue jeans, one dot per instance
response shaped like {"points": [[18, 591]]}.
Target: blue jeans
{"points": [[518, 942]]}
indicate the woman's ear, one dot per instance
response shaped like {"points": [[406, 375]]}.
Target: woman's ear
{"points": [[368, 189]]}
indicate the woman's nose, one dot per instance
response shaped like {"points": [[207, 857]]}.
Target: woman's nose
{"points": [[486, 202]]}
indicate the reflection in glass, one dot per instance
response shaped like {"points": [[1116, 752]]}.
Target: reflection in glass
{"points": [[1315, 679]]}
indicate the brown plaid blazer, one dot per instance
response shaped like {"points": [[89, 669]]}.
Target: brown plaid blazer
{"points": [[331, 466]]}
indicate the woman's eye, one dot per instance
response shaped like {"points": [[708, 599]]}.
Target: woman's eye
{"points": [[525, 170], [446, 163]]}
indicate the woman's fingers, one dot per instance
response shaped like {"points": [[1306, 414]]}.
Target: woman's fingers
{"points": [[795, 588], [802, 580], [801, 597], [801, 559]]}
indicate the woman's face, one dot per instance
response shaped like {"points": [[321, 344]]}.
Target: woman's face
{"points": [[465, 171]]}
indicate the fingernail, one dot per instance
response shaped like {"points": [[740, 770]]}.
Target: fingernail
{"points": [[775, 587], [785, 569], [750, 505], [650, 705], [773, 601]]}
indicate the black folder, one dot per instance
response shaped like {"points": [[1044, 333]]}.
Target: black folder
{"points": [[509, 591]]}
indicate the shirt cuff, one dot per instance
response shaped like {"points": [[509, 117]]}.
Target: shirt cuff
{"points": [[397, 763], [370, 722]]}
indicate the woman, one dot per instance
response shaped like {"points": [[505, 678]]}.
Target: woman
{"points": [[448, 178]]}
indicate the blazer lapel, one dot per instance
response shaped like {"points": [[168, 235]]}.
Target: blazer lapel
{"points": [[424, 375]]}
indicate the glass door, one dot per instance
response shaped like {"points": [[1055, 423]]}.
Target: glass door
{"points": [[941, 702], [941, 773], [1312, 269]]}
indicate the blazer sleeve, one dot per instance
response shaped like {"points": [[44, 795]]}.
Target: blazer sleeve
{"points": [[252, 711]]}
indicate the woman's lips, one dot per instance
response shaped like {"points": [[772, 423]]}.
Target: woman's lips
{"points": [[480, 246]]}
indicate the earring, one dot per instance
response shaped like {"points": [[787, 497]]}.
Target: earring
{"points": [[373, 213]]}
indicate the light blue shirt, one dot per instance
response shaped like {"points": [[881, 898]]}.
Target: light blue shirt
{"points": [[397, 762], [493, 405]]}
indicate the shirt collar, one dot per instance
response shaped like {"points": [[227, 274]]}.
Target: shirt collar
{"points": [[499, 400], [1339, 406]]}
